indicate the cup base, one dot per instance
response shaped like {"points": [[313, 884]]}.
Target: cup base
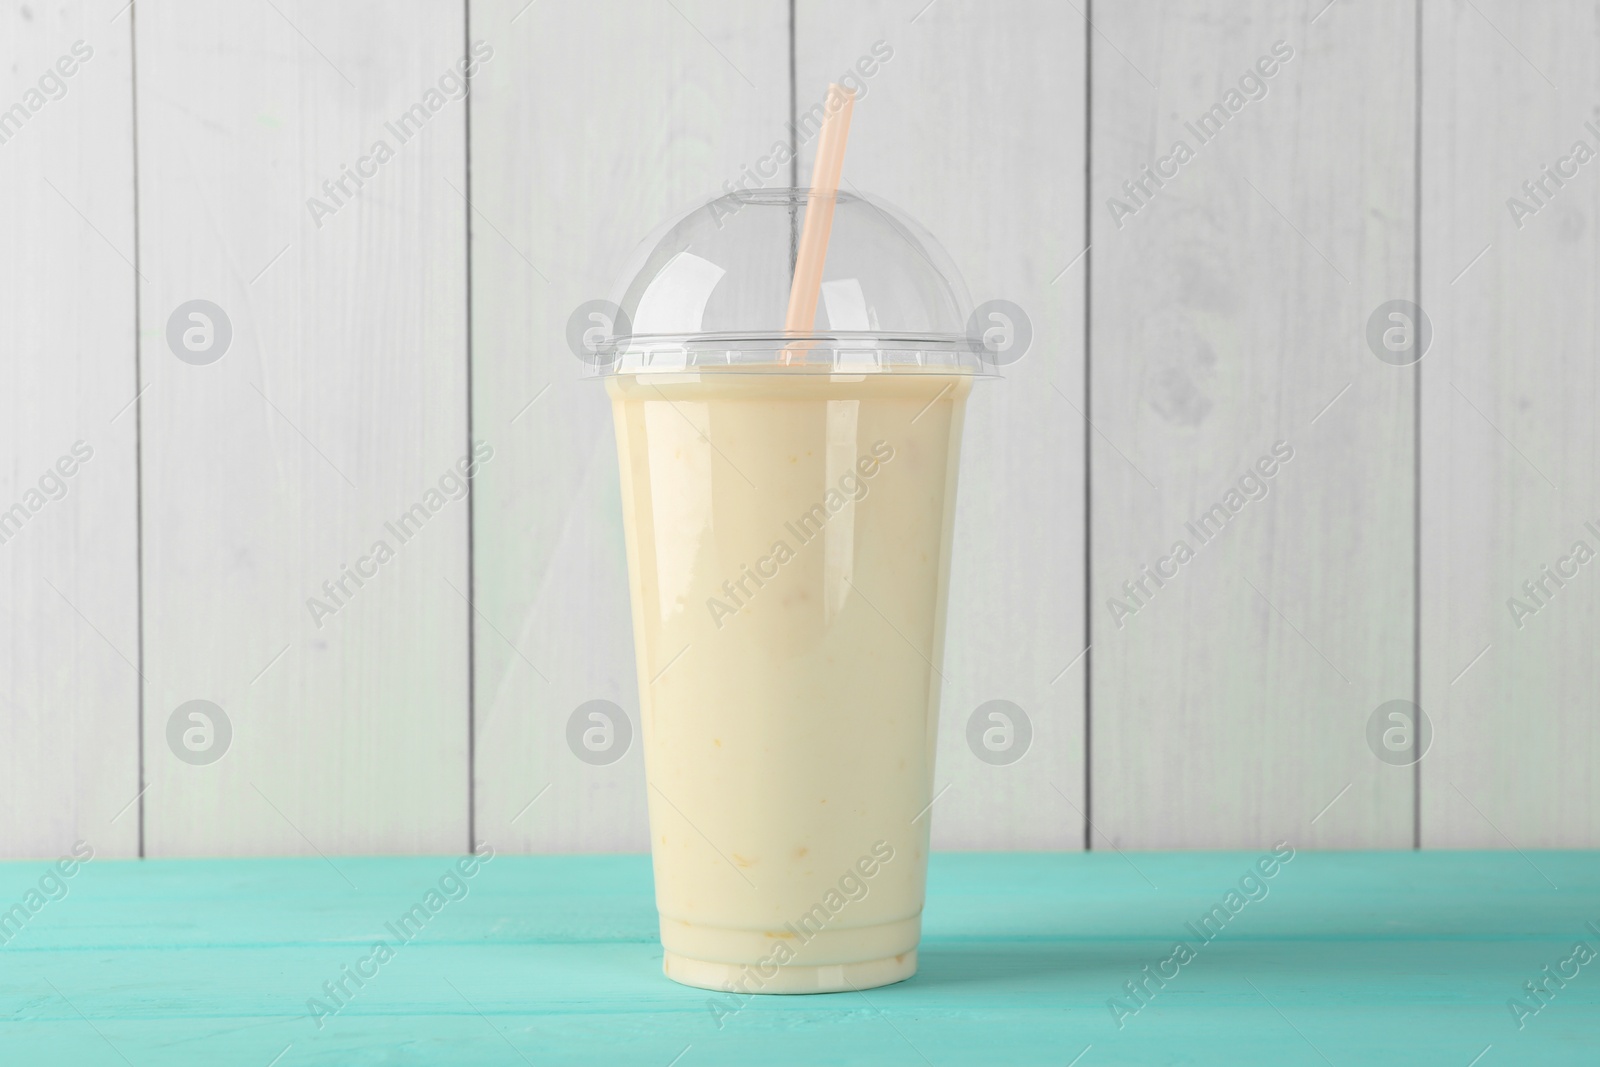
{"points": [[829, 978]]}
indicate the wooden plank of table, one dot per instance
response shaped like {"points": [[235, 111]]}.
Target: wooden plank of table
{"points": [[1376, 957], [334, 421], [592, 127], [1230, 699], [993, 166], [69, 571], [1511, 455]]}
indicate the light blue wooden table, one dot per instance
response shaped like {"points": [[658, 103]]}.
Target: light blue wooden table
{"points": [[1348, 958]]}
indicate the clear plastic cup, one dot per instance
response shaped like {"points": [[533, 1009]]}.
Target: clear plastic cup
{"points": [[788, 505]]}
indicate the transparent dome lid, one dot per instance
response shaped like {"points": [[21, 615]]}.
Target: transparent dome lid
{"points": [[711, 290]]}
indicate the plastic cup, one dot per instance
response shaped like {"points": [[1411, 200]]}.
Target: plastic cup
{"points": [[788, 506]]}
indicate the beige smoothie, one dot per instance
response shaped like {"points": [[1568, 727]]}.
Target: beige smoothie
{"points": [[788, 544]]}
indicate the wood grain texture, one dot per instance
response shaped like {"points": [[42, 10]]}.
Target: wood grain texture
{"points": [[69, 608], [1511, 456], [991, 162], [573, 165], [1370, 958], [1227, 315], [339, 405]]}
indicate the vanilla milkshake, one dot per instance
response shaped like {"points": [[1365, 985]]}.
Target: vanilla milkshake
{"points": [[788, 541]]}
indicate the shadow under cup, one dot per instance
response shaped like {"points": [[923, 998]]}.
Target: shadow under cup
{"points": [[788, 552]]}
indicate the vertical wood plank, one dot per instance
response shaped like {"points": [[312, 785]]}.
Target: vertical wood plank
{"points": [[338, 406], [1228, 313], [592, 127], [1511, 456], [990, 159], [69, 616]]}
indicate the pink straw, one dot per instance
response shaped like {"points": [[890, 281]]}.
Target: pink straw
{"points": [[813, 250]]}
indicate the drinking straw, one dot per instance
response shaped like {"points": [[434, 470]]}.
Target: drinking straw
{"points": [[813, 248]]}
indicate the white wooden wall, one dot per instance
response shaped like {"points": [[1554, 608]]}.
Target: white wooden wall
{"points": [[1225, 315], [69, 578], [376, 339], [1510, 451]]}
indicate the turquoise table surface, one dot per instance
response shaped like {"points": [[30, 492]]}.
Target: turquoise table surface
{"points": [[1339, 958]]}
